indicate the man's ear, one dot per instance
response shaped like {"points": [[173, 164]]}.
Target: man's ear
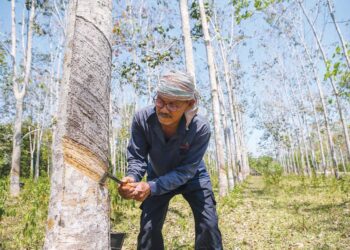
{"points": [[190, 104]]}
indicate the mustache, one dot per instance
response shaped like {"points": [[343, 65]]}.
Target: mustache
{"points": [[163, 115]]}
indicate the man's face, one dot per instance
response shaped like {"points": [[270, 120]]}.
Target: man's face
{"points": [[170, 111]]}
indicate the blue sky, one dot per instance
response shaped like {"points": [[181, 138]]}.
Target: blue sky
{"points": [[253, 28]]}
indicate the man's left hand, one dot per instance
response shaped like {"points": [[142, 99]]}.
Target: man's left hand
{"points": [[142, 190]]}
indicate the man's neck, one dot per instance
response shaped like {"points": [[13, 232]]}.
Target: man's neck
{"points": [[169, 130]]}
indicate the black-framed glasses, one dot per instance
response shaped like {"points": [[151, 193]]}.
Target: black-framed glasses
{"points": [[172, 107]]}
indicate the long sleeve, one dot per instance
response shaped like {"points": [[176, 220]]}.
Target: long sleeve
{"points": [[137, 151]]}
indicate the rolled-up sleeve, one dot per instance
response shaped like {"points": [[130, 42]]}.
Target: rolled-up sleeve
{"points": [[137, 151], [187, 168]]}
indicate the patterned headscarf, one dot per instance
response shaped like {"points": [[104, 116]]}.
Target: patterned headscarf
{"points": [[179, 86]]}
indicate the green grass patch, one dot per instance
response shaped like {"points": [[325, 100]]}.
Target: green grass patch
{"points": [[293, 213]]}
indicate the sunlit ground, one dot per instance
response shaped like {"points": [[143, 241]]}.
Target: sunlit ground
{"points": [[297, 213]]}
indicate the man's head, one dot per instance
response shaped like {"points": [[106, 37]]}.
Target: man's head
{"points": [[176, 96]]}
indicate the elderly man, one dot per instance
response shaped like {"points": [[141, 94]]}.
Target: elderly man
{"points": [[168, 142]]}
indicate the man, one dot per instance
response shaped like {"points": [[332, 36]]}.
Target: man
{"points": [[168, 142]]}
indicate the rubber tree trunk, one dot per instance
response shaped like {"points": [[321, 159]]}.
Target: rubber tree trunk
{"points": [[245, 161], [186, 35], [330, 144], [19, 93], [78, 215], [232, 106], [223, 183], [335, 90], [319, 136], [229, 153], [38, 149], [32, 143], [342, 41]]}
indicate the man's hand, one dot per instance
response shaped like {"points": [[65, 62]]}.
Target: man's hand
{"points": [[142, 190], [127, 190]]}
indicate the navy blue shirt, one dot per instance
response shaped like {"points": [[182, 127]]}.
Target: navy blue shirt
{"points": [[168, 163]]}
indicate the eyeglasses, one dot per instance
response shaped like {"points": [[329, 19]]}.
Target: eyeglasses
{"points": [[172, 107]]}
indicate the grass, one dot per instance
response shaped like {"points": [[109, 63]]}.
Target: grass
{"points": [[297, 213]]}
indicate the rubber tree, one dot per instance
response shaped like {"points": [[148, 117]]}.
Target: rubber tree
{"points": [[330, 143], [78, 216], [223, 182], [186, 35], [334, 87], [19, 90], [342, 41]]}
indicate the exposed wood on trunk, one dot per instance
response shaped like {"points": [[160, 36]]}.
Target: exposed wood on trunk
{"points": [[79, 207]]}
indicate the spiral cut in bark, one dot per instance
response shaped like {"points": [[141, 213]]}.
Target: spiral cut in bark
{"points": [[83, 159]]}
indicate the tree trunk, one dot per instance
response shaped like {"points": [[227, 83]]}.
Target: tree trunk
{"points": [[186, 35], [331, 12], [342, 160], [330, 144], [78, 215], [16, 150], [37, 158], [245, 162], [19, 95], [315, 117], [229, 155], [335, 90], [223, 183], [32, 147]]}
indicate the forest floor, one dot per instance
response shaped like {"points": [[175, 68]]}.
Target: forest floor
{"points": [[296, 213]]}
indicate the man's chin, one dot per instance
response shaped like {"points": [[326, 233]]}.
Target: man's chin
{"points": [[165, 121]]}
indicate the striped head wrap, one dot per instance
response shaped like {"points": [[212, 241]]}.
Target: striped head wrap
{"points": [[180, 86]]}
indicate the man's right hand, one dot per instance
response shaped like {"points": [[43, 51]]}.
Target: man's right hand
{"points": [[125, 190]]}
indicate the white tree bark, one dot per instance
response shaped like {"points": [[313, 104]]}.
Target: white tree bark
{"points": [[223, 183], [330, 144], [32, 147], [186, 34], [79, 207], [19, 93], [38, 148], [335, 89], [229, 153], [342, 41]]}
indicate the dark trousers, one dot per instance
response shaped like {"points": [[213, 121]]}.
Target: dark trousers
{"points": [[200, 197]]}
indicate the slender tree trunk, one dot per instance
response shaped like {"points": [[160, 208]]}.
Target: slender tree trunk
{"points": [[335, 90], [78, 215], [243, 145], [37, 158], [19, 95], [330, 144], [223, 183], [331, 12], [186, 35], [323, 158], [16, 150], [32, 147], [342, 160], [232, 106], [229, 160]]}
